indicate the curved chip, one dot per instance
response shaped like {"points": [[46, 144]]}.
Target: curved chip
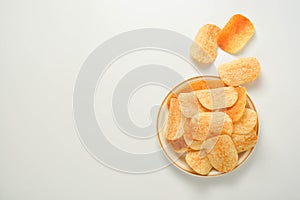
{"points": [[237, 110], [239, 71], [175, 121], [205, 46], [217, 98], [189, 104], [246, 123], [209, 124], [223, 156], [235, 34], [245, 142], [201, 165]]}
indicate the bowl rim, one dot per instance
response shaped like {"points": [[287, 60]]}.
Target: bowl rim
{"points": [[173, 162]]}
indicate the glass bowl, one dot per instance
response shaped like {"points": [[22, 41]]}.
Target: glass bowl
{"points": [[179, 159]]}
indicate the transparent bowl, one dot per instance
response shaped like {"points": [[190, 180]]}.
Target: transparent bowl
{"points": [[179, 159]]}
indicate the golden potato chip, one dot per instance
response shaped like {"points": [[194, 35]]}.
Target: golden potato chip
{"points": [[237, 110], [209, 124], [189, 104], [198, 164], [205, 46], [223, 156], [175, 121], [239, 71], [246, 123], [235, 34], [179, 145], [245, 142], [217, 98]]}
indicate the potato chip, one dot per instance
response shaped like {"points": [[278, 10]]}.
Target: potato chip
{"points": [[235, 34], [205, 46], [175, 121], [237, 110], [209, 124], [179, 145], [217, 98], [223, 156], [198, 164], [246, 123], [189, 104], [239, 71], [245, 142]]}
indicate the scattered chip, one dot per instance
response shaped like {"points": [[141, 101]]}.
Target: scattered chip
{"points": [[239, 71], [217, 98], [198, 164], [245, 142], [209, 124], [237, 110], [205, 46], [175, 121], [223, 156], [189, 104], [246, 123], [235, 34]]}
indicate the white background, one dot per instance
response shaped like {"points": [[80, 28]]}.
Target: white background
{"points": [[42, 47]]}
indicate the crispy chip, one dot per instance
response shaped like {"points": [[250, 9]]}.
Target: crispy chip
{"points": [[245, 142], [205, 46], [235, 34], [223, 156], [209, 124], [217, 98], [198, 164], [246, 123], [175, 121], [239, 71], [189, 104], [179, 145], [237, 110]]}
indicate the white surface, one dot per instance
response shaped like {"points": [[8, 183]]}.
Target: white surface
{"points": [[44, 43]]}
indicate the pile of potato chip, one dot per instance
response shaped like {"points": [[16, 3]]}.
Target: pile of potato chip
{"points": [[209, 121]]}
